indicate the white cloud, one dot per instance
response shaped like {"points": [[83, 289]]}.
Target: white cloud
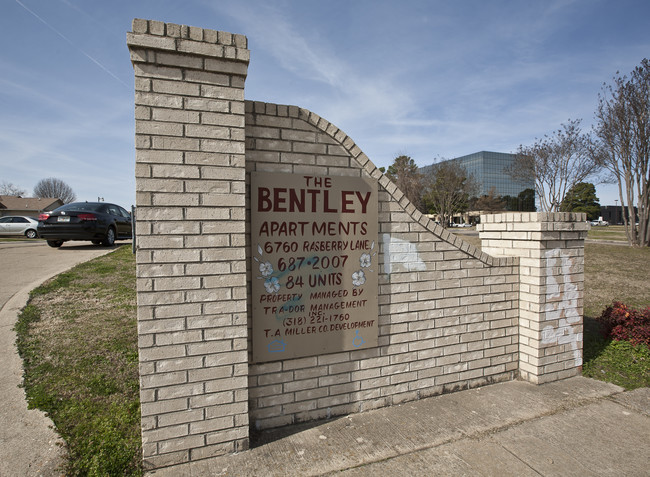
{"points": [[346, 91]]}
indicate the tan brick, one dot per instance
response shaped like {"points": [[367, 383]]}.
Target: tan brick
{"points": [[227, 435], [148, 41], [226, 66], [158, 100], [166, 433], [181, 443], [225, 146], [175, 143], [222, 92]]}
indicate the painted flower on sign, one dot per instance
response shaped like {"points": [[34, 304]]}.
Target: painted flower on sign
{"points": [[365, 260], [272, 285], [266, 269], [358, 278]]}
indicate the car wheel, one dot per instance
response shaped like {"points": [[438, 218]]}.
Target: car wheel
{"points": [[109, 240], [31, 234], [55, 243]]}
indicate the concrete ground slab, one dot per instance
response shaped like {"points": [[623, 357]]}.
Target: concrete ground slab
{"points": [[464, 457], [602, 438], [638, 400], [514, 428]]}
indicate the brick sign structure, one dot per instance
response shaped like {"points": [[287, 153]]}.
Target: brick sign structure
{"points": [[229, 191]]}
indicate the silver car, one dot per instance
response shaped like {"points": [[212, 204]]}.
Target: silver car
{"points": [[18, 225]]}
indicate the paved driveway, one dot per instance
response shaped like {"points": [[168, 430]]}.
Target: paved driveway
{"points": [[28, 446]]}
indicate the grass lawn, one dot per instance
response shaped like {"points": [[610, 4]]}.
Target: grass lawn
{"points": [[17, 239], [78, 340], [611, 233], [614, 233], [621, 273]]}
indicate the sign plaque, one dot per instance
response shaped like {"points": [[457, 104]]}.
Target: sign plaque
{"points": [[314, 264]]}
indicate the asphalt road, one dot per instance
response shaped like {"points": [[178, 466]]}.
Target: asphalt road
{"points": [[28, 445]]}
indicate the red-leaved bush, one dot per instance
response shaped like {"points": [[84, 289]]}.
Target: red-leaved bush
{"points": [[623, 323]]}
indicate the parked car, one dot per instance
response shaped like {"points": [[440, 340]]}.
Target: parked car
{"points": [[599, 222], [19, 225], [99, 222]]}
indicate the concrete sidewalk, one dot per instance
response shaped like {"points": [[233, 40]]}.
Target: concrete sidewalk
{"points": [[577, 426]]}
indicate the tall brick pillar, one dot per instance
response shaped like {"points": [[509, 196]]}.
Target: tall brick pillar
{"points": [[190, 226], [550, 247]]}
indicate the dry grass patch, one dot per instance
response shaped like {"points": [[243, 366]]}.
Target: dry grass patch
{"points": [[614, 233], [616, 272]]}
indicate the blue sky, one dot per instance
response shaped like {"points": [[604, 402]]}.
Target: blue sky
{"points": [[431, 79]]}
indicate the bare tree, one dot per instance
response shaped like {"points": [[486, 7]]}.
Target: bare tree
{"points": [[54, 188], [623, 131], [404, 173], [557, 162], [7, 188], [448, 190]]}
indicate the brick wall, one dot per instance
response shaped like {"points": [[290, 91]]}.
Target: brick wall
{"points": [[190, 224], [450, 316], [550, 247], [447, 312]]}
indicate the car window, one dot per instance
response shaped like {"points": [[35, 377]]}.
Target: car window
{"points": [[124, 213], [113, 210], [20, 220], [85, 206], [5, 220]]}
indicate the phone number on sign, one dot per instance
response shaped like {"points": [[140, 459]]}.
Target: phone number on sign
{"points": [[316, 263], [315, 319]]}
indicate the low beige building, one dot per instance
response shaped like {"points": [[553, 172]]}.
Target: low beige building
{"points": [[27, 206]]}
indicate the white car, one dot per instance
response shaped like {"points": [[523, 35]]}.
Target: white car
{"points": [[18, 225]]}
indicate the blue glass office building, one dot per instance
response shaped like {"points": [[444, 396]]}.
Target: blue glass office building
{"points": [[489, 169]]}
